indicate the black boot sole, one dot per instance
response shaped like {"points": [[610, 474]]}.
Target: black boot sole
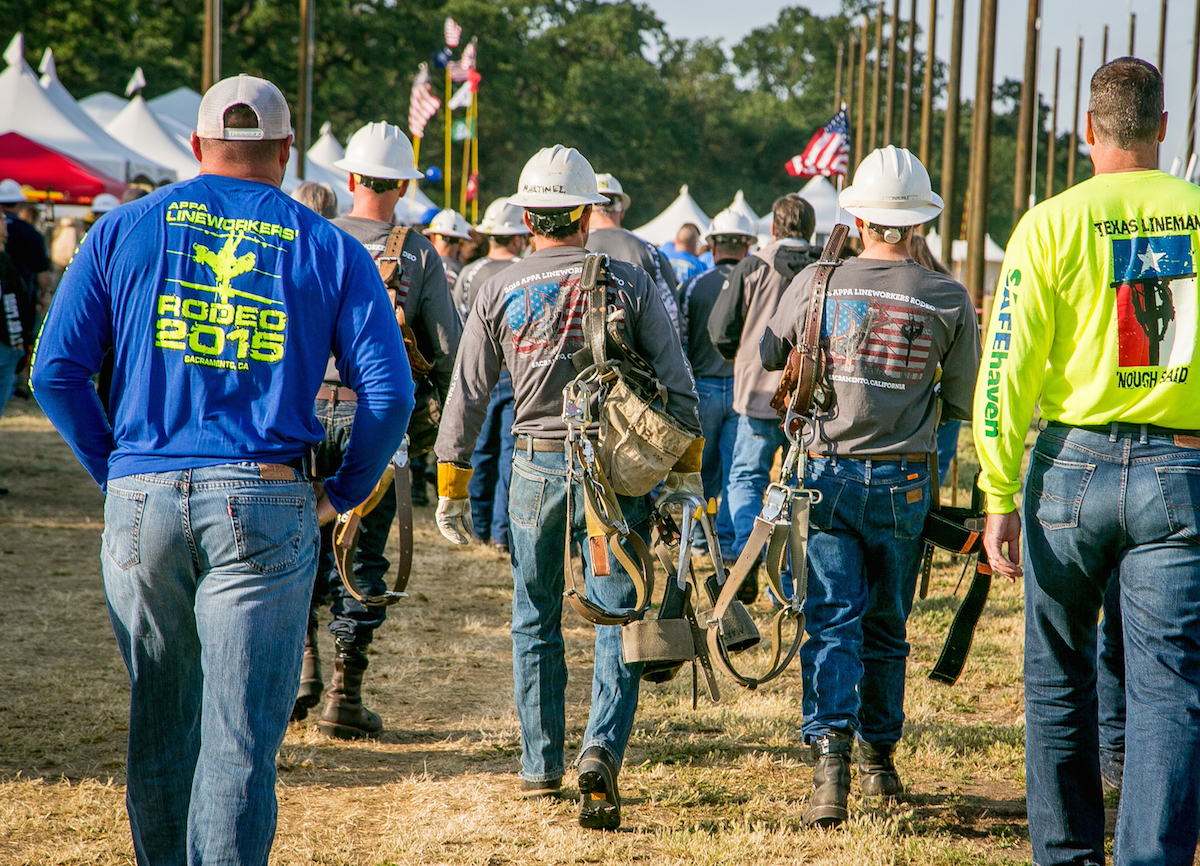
{"points": [[600, 804], [346, 732], [825, 816]]}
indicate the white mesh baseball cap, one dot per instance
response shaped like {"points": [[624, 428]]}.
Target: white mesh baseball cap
{"points": [[259, 95]]}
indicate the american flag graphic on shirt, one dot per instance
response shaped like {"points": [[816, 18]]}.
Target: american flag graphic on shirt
{"points": [[547, 318], [880, 339]]}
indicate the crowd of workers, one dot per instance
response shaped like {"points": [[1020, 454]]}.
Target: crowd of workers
{"points": [[222, 307]]}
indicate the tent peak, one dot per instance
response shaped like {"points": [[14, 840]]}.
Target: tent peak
{"points": [[14, 54], [48, 66], [683, 190], [136, 82], [327, 128]]}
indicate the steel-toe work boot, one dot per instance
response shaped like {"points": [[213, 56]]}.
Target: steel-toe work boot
{"points": [[831, 781], [877, 771], [311, 684], [344, 715]]}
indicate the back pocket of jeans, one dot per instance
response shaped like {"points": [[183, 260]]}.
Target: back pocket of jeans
{"points": [[267, 530], [1057, 488], [525, 494], [910, 505], [1181, 494], [123, 525], [820, 514]]}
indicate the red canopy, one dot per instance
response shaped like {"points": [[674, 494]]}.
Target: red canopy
{"points": [[49, 174]]}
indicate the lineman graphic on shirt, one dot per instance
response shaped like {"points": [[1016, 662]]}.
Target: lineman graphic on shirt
{"points": [[197, 313], [877, 339], [1155, 282]]}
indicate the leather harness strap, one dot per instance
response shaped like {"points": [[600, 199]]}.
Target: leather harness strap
{"points": [[810, 385]]}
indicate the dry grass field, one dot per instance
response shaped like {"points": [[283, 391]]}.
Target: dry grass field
{"points": [[724, 784]]}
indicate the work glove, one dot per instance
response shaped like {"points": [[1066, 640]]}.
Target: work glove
{"points": [[453, 514], [681, 482], [454, 519]]}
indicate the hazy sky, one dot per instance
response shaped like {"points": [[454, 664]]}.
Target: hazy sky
{"points": [[1063, 22]]}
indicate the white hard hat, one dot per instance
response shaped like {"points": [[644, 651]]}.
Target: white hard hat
{"points": [[449, 224], [105, 202], [380, 150], [502, 218], [891, 188], [557, 177], [11, 192], [732, 222], [611, 187]]}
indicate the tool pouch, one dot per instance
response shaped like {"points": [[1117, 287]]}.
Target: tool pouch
{"points": [[658, 640]]}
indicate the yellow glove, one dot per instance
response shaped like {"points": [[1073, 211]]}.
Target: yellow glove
{"points": [[453, 515]]}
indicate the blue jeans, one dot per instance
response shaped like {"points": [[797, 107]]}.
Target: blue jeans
{"points": [[9, 359], [352, 621], [1095, 504], [537, 511], [208, 574], [1110, 675], [492, 462], [947, 447], [863, 556], [719, 424], [749, 476]]}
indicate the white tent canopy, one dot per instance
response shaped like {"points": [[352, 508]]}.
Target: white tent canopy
{"points": [[181, 105], [103, 106], [666, 225], [68, 108], [327, 149], [411, 209], [739, 205], [138, 129], [993, 258], [27, 109], [318, 174]]}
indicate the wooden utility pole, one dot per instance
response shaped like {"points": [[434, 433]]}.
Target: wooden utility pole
{"points": [[210, 63], [1104, 47], [1162, 36], [837, 81], [1132, 30], [848, 96], [875, 79], [889, 119], [1053, 128], [304, 99], [860, 126], [906, 110], [950, 136], [981, 151], [927, 87], [1191, 135], [1026, 119], [1074, 153]]}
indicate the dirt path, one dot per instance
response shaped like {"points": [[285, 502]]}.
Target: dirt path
{"points": [[722, 784]]}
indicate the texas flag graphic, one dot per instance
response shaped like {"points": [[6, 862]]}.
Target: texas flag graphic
{"points": [[1155, 279]]}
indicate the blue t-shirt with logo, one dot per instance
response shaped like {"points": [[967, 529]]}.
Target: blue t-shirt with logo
{"points": [[684, 264], [222, 299]]}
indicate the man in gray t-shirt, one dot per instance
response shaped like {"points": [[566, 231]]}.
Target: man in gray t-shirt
{"points": [[530, 318], [888, 326]]}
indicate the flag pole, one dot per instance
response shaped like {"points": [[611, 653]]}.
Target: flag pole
{"points": [[448, 148], [416, 150], [475, 153], [466, 167]]}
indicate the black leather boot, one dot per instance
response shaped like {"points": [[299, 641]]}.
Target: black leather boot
{"points": [[344, 715], [311, 684], [831, 781], [877, 771]]}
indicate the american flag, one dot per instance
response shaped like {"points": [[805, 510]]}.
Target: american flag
{"points": [[460, 70], [547, 318], [887, 339], [827, 153], [452, 32], [422, 104]]}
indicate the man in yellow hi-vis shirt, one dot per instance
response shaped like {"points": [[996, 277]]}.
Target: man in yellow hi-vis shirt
{"points": [[1096, 317]]}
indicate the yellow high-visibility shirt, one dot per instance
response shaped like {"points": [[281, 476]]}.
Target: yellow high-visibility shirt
{"points": [[1095, 315]]}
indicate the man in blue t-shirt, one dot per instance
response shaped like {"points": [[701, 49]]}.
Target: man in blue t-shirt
{"points": [[682, 254], [221, 299]]}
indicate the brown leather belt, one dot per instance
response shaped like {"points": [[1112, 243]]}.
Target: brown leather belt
{"points": [[336, 395], [529, 444], [883, 458]]}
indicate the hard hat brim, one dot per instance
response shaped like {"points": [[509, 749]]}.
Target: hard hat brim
{"points": [[903, 214], [623, 196], [502, 230], [374, 169], [446, 233], [722, 233], [555, 200]]}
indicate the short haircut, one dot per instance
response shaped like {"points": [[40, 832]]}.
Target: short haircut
{"points": [[553, 223], [878, 232], [377, 185], [730, 240], [501, 240], [1126, 103], [242, 116], [318, 197], [793, 217]]}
